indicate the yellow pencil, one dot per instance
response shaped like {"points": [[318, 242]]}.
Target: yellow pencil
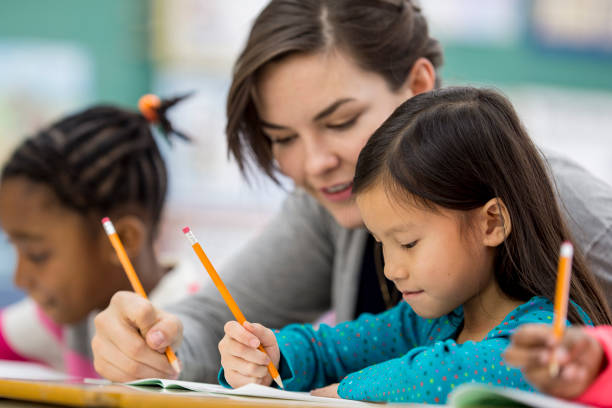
{"points": [[564, 272], [133, 278], [231, 303]]}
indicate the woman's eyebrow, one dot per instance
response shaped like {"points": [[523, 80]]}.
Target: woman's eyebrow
{"points": [[331, 108], [325, 112]]}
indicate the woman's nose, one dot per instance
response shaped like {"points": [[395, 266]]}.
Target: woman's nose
{"points": [[320, 158]]}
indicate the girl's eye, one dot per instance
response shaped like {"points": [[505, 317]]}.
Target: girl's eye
{"points": [[38, 258], [410, 245], [344, 125]]}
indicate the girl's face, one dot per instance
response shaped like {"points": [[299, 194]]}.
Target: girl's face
{"points": [[436, 262], [59, 261], [319, 110]]}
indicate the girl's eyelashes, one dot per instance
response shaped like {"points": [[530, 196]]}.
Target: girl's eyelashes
{"points": [[38, 258], [344, 125], [410, 244]]}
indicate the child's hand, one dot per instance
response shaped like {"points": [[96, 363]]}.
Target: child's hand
{"points": [[120, 351], [579, 356], [331, 391], [242, 361]]}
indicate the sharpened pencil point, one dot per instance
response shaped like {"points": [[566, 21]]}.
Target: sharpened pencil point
{"points": [[177, 367], [279, 382]]}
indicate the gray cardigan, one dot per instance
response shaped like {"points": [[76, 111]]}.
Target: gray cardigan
{"points": [[304, 264]]}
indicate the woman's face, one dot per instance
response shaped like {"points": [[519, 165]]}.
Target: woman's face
{"points": [[319, 110]]}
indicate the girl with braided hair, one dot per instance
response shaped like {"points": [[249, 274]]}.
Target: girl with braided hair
{"points": [[54, 189]]}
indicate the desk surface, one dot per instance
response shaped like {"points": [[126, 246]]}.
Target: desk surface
{"points": [[54, 394]]}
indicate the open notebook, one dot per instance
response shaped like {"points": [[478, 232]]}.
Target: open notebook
{"points": [[480, 395], [465, 396], [250, 390]]}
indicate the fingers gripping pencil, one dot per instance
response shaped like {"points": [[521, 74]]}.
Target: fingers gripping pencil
{"points": [[231, 303], [133, 278]]}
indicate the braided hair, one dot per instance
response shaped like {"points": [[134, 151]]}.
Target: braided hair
{"points": [[101, 159]]}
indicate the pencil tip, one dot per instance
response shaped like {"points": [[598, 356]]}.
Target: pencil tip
{"points": [[175, 364], [279, 382], [186, 230]]}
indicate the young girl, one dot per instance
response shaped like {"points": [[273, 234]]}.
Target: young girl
{"points": [[457, 194], [54, 190], [584, 356]]}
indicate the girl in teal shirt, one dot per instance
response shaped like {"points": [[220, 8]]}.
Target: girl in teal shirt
{"points": [[460, 199]]}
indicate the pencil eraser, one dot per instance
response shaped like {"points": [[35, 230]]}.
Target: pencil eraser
{"points": [[186, 230], [567, 249], [105, 219]]}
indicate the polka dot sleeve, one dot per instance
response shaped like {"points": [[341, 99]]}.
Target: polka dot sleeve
{"points": [[315, 358], [429, 373]]}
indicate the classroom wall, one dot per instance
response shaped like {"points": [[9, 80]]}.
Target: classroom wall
{"points": [[551, 57]]}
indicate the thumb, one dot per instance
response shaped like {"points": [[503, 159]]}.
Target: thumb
{"points": [[265, 335], [167, 331]]}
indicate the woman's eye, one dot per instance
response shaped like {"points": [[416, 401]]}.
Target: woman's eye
{"points": [[282, 140], [344, 125], [410, 245]]}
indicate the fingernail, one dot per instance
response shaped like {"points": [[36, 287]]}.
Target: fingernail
{"points": [[156, 338], [254, 343]]}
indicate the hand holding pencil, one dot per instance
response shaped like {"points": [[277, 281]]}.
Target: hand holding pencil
{"points": [[579, 357], [249, 352], [556, 360], [133, 278]]}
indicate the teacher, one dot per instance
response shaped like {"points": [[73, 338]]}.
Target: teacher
{"points": [[314, 81]]}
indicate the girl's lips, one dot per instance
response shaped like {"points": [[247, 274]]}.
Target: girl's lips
{"points": [[338, 195], [411, 295]]}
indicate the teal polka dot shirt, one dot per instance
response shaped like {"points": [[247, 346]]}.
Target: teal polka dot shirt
{"points": [[397, 356]]}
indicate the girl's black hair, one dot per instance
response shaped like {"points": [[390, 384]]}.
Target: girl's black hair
{"points": [[99, 160], [458, 148]]}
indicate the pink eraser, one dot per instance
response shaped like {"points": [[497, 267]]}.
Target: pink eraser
{"points": [[105, 219], [186, 230]]}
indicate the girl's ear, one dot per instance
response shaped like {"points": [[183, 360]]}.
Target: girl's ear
{"points": [[133, 235], [496, 224], [422, 78]]}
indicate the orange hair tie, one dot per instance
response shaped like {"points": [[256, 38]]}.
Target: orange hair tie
{"points": [[148, 105]]}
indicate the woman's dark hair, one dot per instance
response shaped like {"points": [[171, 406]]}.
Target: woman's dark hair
{"points": [[98, 161], [381, 36], [458, 148]]}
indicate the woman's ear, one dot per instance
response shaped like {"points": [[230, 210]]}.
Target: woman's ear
{"points": [[422, 78], [495, 222], [133, 235]]}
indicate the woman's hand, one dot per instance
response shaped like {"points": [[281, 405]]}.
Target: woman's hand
{"points": [[579, 356], [242, 362], [331, 391]]}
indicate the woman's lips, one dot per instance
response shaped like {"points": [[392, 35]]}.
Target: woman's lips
{"points": [[338, 192]]}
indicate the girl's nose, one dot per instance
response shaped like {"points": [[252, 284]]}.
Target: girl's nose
{"points": [[320, 158], [394, 271], [22, 278]]}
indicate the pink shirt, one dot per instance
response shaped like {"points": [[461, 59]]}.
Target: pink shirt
{"points": [[599, 393]]}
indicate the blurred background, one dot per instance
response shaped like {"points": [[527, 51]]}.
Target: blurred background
{"points": [[553, 58]]}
